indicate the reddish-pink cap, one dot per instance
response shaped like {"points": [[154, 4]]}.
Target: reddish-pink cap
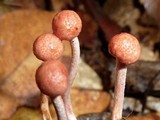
{"points": [[51, 78], [66, 25], [47, 47], [125, 47]]}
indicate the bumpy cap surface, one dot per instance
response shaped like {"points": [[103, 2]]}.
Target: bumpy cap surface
{"points": [[47, 47], [125, 48], [66, 25], [51, 78]]}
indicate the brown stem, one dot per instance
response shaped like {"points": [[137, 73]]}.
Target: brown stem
{"points": [[73, 71], [108, 26], [60, 108], [45, 108], [121, 70]]}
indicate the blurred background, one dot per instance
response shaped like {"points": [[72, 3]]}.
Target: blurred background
{"points": [[22, 21]]}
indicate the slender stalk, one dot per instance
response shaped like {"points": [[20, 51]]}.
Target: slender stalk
{"points": [[75, 59], [60, 108], [73, 71], [121, 70], [45, 108]]}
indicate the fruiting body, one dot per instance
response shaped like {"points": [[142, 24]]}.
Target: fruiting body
{"points": [[51, 78], [125, 48], [48, 47], [66, 25]]}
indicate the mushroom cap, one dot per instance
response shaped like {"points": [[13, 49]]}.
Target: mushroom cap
{"points": [[51, 78], [125, 47], [66, 25], [47, 47]]}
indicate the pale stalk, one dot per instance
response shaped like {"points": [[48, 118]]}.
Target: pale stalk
{"points": [[73, 71], [121, 71]]}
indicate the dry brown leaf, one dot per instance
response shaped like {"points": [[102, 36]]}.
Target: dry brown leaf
{"points": [[59, 5], [151, 116], [18, 31], [21, 3], [22, 79], [89, 101], [8, 106]]}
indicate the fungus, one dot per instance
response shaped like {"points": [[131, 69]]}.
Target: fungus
{"points": [[126, 49], [51, 78], [67, 26], [48, 46]]}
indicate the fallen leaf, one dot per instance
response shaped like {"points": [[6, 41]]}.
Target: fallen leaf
{"points": [[147, 54], [27, 114], [18, 31], [89, 101], [8, 106], [151, 116], [22, 79]]}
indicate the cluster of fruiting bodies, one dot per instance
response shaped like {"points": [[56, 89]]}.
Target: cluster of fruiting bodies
{"points": [[53, 78]]}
